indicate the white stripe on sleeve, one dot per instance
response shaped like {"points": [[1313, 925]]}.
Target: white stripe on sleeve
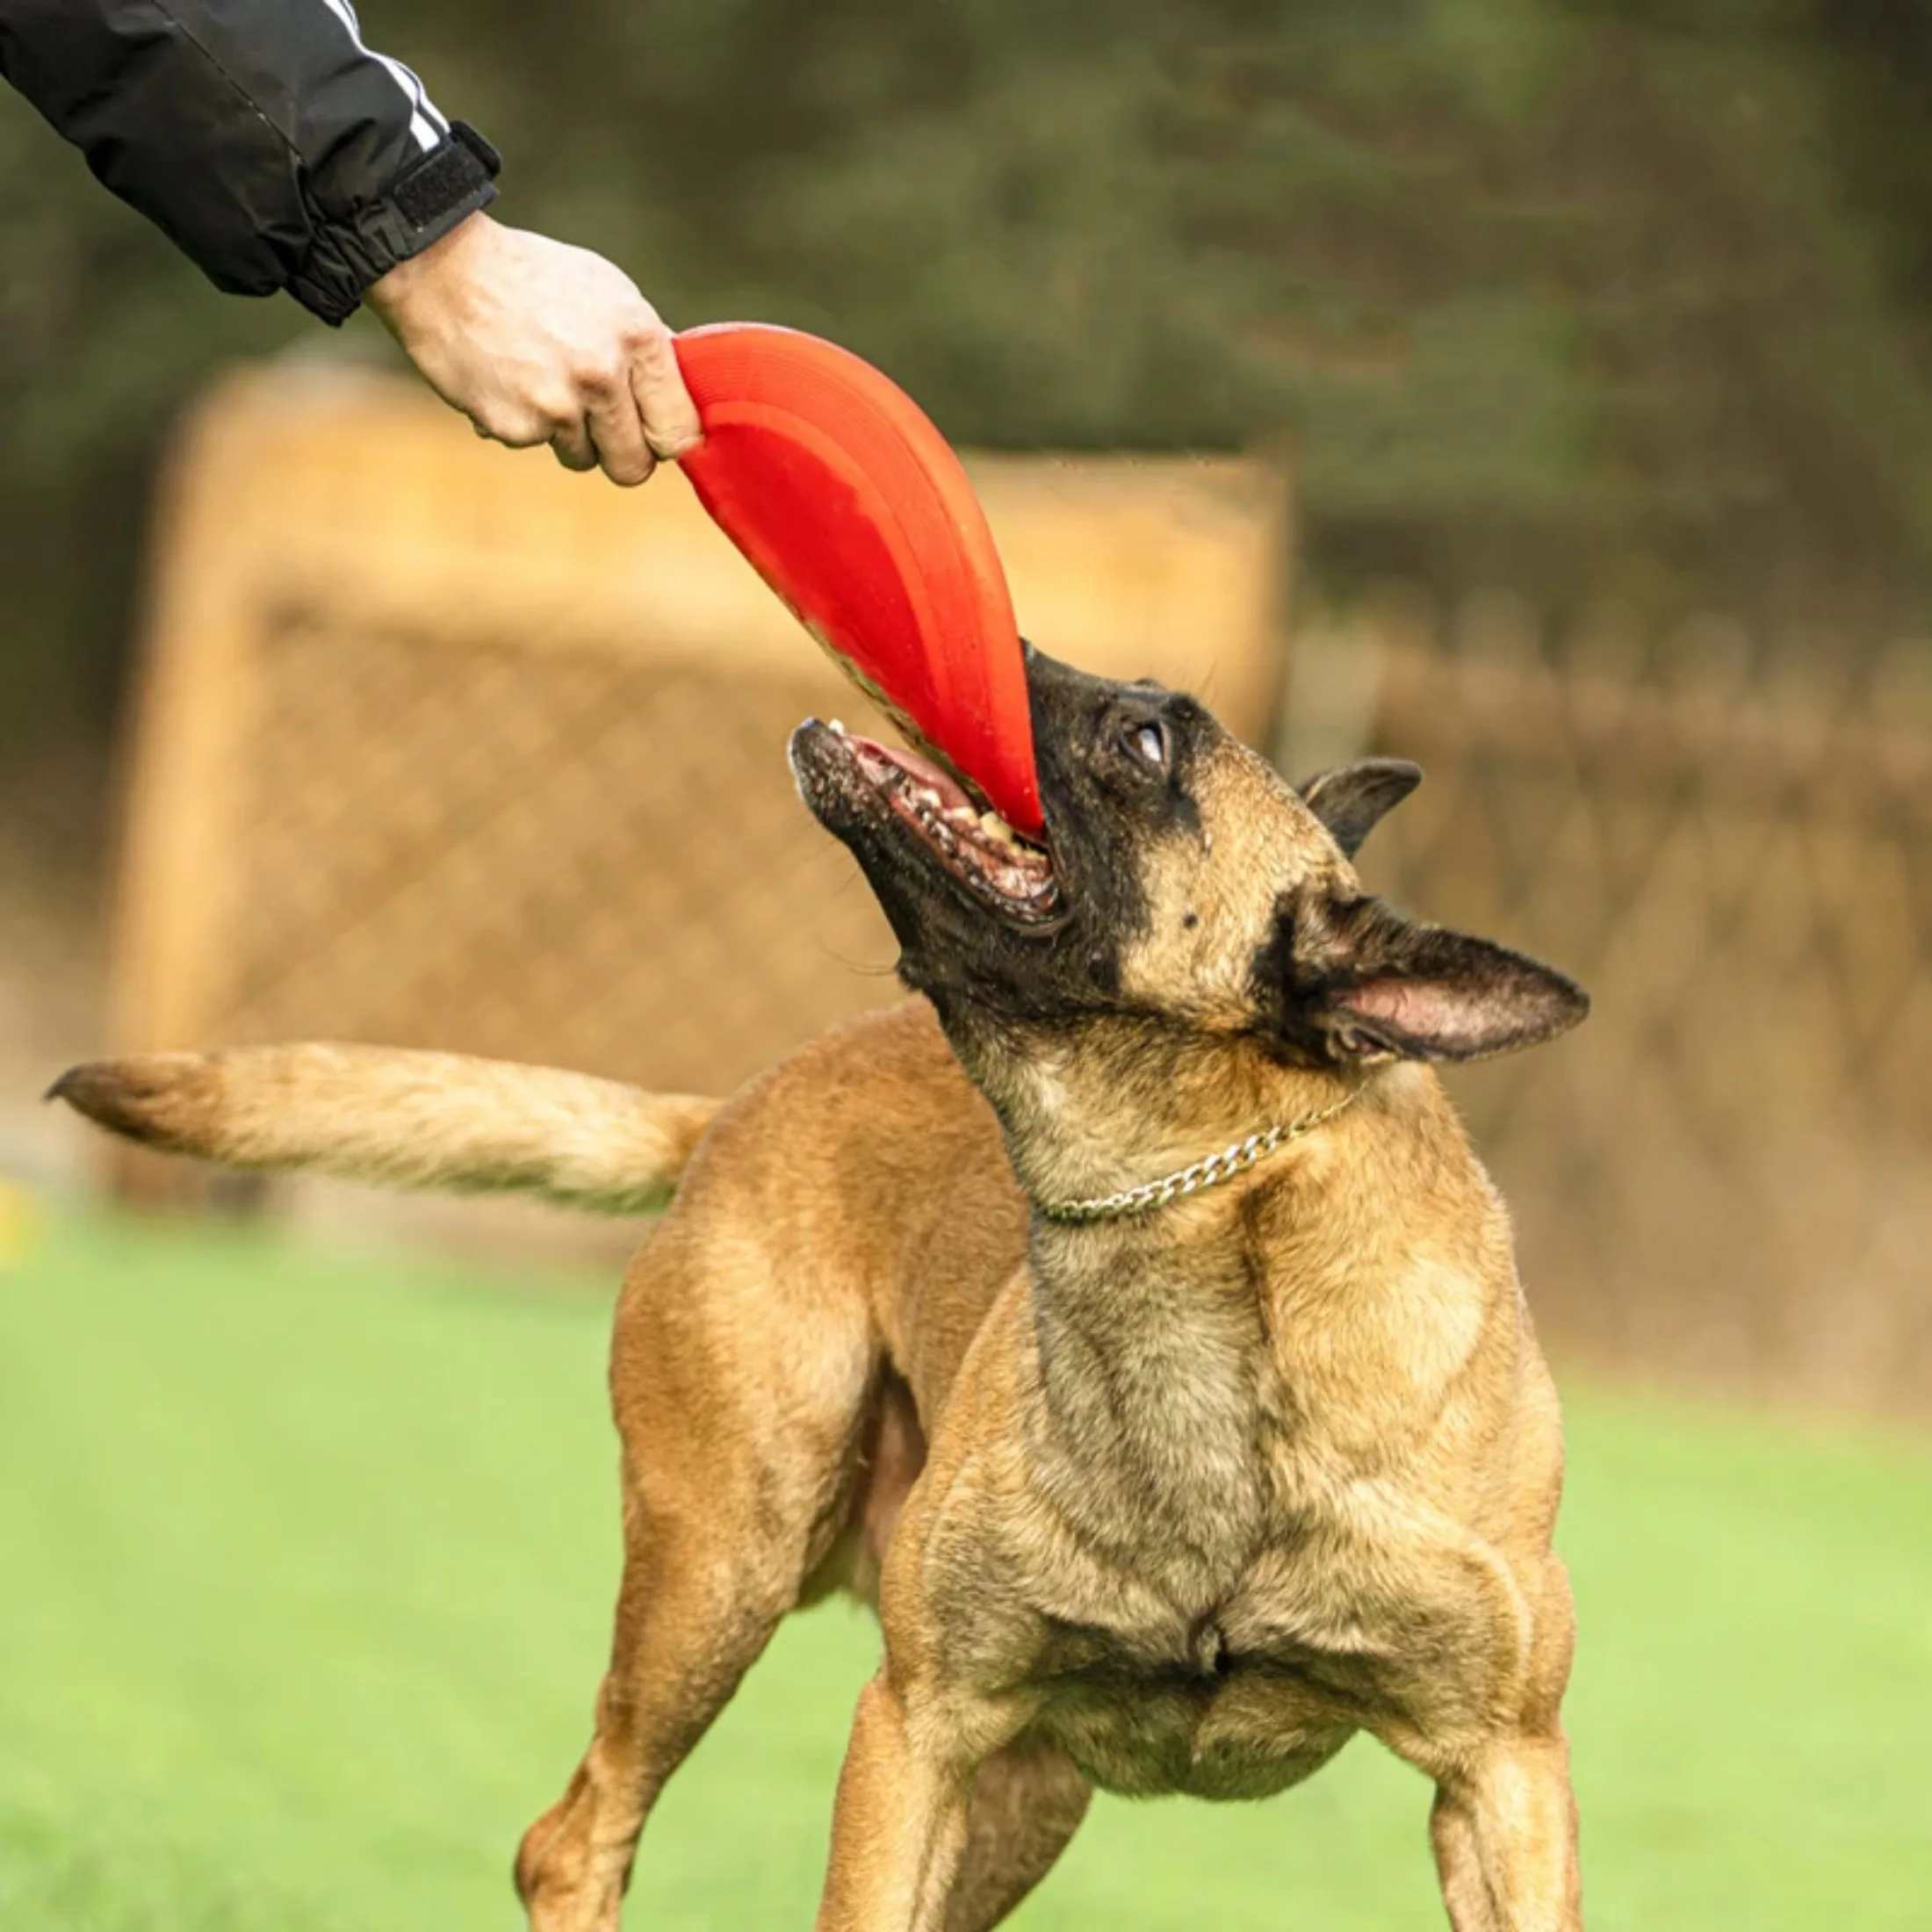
{"points": [[426, 122]]}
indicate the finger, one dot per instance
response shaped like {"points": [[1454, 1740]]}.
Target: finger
{"points": [[572, 446], [617, 429], [515, 428], [671, 424]]}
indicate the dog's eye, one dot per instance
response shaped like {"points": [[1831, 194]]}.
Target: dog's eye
{"points": [[1148, 741]]}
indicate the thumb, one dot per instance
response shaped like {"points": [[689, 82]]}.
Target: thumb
{"points": [[671, 424]]}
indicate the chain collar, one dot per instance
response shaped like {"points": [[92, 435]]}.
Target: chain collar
{"points": [[1210, 1172]]}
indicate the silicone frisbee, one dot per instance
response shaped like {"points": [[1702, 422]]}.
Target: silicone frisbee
{"points": [[851, 505]]}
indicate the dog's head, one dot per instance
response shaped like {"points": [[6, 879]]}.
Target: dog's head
{"points": [[1181, 881]]}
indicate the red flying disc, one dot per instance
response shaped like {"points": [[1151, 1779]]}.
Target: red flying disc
{"points": [[851, 505]]}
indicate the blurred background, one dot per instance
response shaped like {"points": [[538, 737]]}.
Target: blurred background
{"points": [[1539, 390]]}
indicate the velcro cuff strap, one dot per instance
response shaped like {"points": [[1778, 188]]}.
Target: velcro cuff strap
{"points": [[431, 196], [446, 176]]}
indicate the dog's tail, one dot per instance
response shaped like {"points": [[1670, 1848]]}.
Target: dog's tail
{"points": [[439, 1120]]}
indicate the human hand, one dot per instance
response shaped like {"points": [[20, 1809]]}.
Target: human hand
{"points": [[538, 342]]}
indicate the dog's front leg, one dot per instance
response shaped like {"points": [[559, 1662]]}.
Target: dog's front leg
{"points": [[1505, 1831], [898, 1826]]}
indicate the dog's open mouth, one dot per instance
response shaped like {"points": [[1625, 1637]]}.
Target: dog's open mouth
{"points": [[974, 845]]}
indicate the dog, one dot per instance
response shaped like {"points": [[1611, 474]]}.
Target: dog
{"points": [[1127, 1318]]}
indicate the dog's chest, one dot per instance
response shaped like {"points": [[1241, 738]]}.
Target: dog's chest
{"points": [[1185, 1565], [1158, 1417], [1222, 1600], [1168, 1426]]}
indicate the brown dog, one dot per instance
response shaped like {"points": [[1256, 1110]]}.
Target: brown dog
{"points": [[1167, 1473]]}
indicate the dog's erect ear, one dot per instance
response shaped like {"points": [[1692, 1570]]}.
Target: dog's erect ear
{"points": [[1351, 800], [1355, 980]]}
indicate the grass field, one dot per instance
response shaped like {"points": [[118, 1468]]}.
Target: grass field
{"points": [[304, 1563]]}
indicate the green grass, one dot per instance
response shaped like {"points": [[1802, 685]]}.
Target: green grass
{"points": [[304, 1563]]}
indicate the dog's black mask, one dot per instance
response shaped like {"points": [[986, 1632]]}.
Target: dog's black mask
{"points": [[1113, 764]]}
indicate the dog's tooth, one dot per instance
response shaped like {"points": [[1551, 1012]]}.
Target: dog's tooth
{"points": [[837, 727]]}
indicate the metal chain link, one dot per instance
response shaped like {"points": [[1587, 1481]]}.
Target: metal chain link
{"points": [[1210, 1172]]}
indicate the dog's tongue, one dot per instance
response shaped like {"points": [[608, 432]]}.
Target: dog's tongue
{"points": [[852, 506]]}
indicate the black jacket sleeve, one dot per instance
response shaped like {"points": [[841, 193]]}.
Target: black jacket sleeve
{"points": [[261, 135]]}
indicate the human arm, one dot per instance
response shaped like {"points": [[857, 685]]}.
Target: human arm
{"points": [[278, 152]]}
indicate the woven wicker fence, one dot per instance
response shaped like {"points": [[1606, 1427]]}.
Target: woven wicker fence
{"points": [[1729, 839]]}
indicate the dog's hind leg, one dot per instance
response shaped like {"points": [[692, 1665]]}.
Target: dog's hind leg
{"points": [[741, 1422], [1028, 1802], [689, 1626]]}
